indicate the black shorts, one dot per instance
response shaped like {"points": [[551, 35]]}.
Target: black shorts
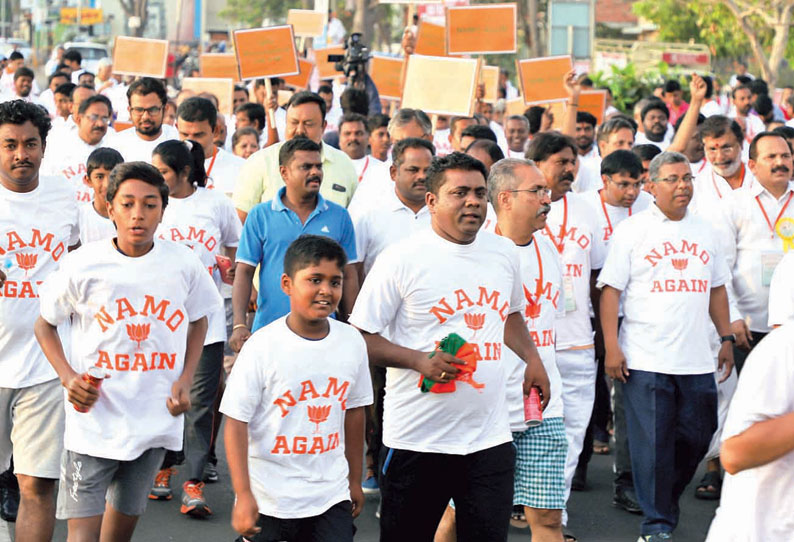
{"points": [[333, 525]]}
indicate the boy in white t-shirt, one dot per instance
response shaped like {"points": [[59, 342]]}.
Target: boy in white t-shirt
{"points": [[93, 219], [139, 314], [295, 410]]}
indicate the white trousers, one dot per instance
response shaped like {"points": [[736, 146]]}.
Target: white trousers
{"points": [[725, 391], [578, 372]]}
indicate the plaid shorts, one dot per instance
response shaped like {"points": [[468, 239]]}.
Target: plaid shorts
{"points": [[540, 465]]}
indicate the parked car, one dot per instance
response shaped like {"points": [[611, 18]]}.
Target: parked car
{"points": [[8, 45], [92, 53]]}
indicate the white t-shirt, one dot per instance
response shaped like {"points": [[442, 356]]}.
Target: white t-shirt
{"points": [[709, 188], [756, 504], [711, 108], [583, 250], [752, 249], [47, 99], [370, 167], [588, 178], [642, 139], [130, 318], [93, 226], [781, 292], [293, 393], [381, 226], [205, 222], [666, 269], [609, 216], [133, 148], [66, 154], [372, 190], [420, 290], [441, 142], [38, 227], [222, 176], [540, 315], [117, 94], [753, 125]]}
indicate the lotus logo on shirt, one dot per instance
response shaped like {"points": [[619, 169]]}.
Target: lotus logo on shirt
{"points": [[680, 263], [474, 322], [317, 415], [26, 261], [138, 333]]}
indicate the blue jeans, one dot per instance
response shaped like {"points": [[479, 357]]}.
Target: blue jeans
{"points": [[670, 420]]}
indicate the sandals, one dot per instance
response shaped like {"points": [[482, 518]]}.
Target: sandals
{"points": [[518, 519], [600, 448], [710, 487]]}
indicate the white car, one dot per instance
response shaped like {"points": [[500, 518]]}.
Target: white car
{"points": [[92, 53], [9, 45]]}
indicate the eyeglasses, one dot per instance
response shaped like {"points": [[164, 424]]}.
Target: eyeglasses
{"points": [[138, 111], [625, 185], [675, 180], [539, 191], [102, 119]]}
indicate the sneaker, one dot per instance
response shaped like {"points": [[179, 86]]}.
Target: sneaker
{"points": [[193, 503], [210, 475], [370, 486], [656, 537], [626, 499], [161, 490]]}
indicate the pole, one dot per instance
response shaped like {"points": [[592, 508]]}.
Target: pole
{"points": [[271, 118]]}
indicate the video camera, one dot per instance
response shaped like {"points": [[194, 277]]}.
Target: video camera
{"points": [[354, 62]]}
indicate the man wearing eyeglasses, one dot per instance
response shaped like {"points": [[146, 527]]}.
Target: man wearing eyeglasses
{"points": [[69, 160], [147, 98], [667, 264], [573, 228]]}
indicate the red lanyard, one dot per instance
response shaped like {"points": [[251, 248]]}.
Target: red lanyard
{"points": [[604, 207], [780, 214], [212, 163], [363, 171], [702, 165], [561, 245], [714, 181]]}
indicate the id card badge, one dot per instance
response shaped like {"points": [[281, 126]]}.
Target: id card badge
{"points": [[570, 300], [769, 261]]}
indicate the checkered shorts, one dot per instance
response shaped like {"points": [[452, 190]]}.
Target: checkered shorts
{"points": [[540, 464]]}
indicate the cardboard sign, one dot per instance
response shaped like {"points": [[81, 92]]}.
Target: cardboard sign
{"points": [[284, 97], [120, 126], [306, 22], [441, 85], [593, 102], [516, 106], [142, 57], [431, 39], [325, 67], [266, 52], [480, 30], [219, 65], [489, 76], [410, 1], [221, 88], [386, 72], [542, 78], [302, 79]]}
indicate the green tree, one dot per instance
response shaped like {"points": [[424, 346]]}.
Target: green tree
{"points": [[251, 13]]}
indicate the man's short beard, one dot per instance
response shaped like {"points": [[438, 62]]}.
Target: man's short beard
{"points": [[730, 170], [155, 129]]}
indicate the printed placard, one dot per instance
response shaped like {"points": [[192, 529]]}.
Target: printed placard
{"points": [[431, 39], [386, 72], [441, 85], [219, 65], [516, 106], [326, 68], [594, 102], [266, 52], [542, 78], [489, 76], [142, 57], [221, 88], [481, 30], [306, 22], [302, 79]]}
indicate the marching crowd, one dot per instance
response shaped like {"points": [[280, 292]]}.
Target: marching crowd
{"points": [[384, 304]]}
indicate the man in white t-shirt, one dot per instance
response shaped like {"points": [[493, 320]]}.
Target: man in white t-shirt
{"points": [[654, 118], [781, 292], [573, 228], [146, 98], [39, 217], [353, 137], [420, 291], [67, 155], [66, 129], [666, 262], [517, 134], [521, 199], [47, 97], [379, 138], [758, 448], [197, 120], [614, 134], [741, 111]]}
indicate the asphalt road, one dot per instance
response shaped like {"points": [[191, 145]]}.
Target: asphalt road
{"points": [[592, 516]]}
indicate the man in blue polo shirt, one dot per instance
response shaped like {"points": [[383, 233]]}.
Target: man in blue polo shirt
{"points": [[297, 209]]}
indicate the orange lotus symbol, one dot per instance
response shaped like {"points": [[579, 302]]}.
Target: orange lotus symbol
{"points": [[26, 261], [138, 332], [532, 309], [317, 415], [474, 322], [680, 263]]}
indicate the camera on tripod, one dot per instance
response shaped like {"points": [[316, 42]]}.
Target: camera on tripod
{"points": [[354, 62]]}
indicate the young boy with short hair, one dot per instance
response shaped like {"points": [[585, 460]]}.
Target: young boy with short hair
{"points": [[93, 219], [297, 394], [138, 310]]}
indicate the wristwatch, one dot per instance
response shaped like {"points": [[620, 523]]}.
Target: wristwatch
{"points": [[726, 338]]}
